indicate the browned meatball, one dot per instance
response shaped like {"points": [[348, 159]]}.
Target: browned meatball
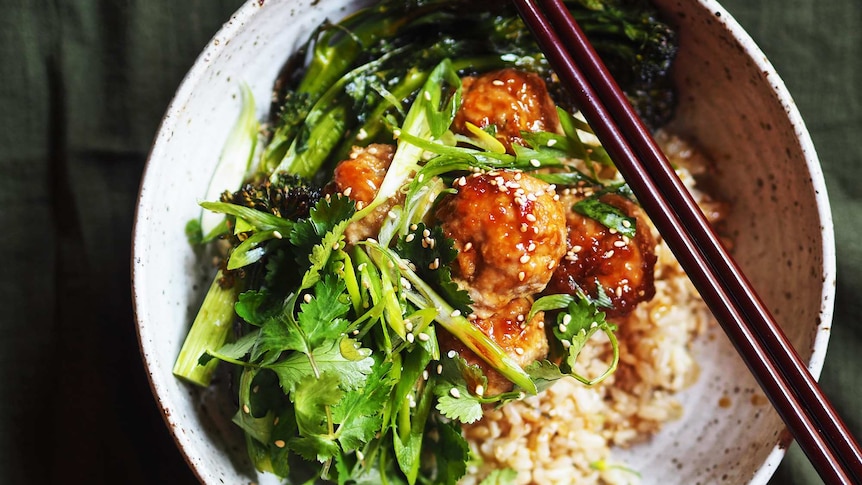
{"points": [[359, 177], [509, 230], [623, 267], [511, 100], [525, 341]]}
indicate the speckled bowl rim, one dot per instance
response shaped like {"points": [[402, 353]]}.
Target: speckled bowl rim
{"points": [[824, 211], [818, 351]]}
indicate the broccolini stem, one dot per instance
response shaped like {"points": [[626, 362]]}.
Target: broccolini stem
{"points": [[209, 331]]}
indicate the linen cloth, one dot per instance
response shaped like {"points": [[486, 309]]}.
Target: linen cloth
{"points": [[83, 85]]}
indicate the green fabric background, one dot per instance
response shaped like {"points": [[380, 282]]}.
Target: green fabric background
{"points": [[83, 84]]}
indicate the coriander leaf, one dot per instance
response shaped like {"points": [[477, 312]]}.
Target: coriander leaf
{"points": [[432, 252], [232, 350], [314, 447], [277, 337], [454, 399], [451, 452], [575, 327], [359, 413], [465, 408], [322, 316], [251, 306], [320, 254], [323, 217], [311, 396], [544, 373], [328, 358]]}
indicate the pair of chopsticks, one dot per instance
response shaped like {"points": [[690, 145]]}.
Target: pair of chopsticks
{"points": [[765, 349]]}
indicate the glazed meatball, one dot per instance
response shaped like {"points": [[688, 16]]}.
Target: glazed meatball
{"points": [[359, 177], [509, 99], [524, 341], [509, 229], [623, 267]]}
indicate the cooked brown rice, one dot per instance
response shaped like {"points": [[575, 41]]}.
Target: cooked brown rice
{"points": [[566, 434]]}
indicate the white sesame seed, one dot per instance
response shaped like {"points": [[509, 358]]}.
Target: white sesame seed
{"points": [[307, 297], [455, 393], [521, 276], [451, 354], [551, 264], [531, 247], [480, 390], [562, 328], [577, 249], [360, 205], [413, 227], [348, 191], [276, 235], [497, 82], [408, 325], [567, 319], [410, 237], [423, 337], [552, 142], [468, 246], [410, 338], [521, 317], [519, 351], [279, 443], [245, 409], [619, 244], [627, 223], [434, 264], [455, 313], [359, 455], [531, 217], [524, 227], [608, 254], [439, 369], [392, 214], [427, 96], [535, 163], [525, 259]]}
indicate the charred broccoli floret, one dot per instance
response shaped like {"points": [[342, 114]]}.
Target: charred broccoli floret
{"points": [[637, 47], [287, 196]]}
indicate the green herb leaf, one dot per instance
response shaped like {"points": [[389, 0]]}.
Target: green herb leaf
{"points": [[328, 358], [606, 214], [432, 256]]}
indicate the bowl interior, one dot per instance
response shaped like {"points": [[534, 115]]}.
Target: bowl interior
{"points": [[731, 102]]}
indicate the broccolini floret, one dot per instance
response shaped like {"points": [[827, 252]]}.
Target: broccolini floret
{"points": [[288, 196]]}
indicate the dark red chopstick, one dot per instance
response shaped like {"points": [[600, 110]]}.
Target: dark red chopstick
{"points": [[749, 325]]}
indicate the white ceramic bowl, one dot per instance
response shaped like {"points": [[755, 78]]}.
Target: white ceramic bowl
{"points": [[731, 101]]}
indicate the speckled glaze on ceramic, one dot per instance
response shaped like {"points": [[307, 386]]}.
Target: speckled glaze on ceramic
{"points": [[732, 102]]}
